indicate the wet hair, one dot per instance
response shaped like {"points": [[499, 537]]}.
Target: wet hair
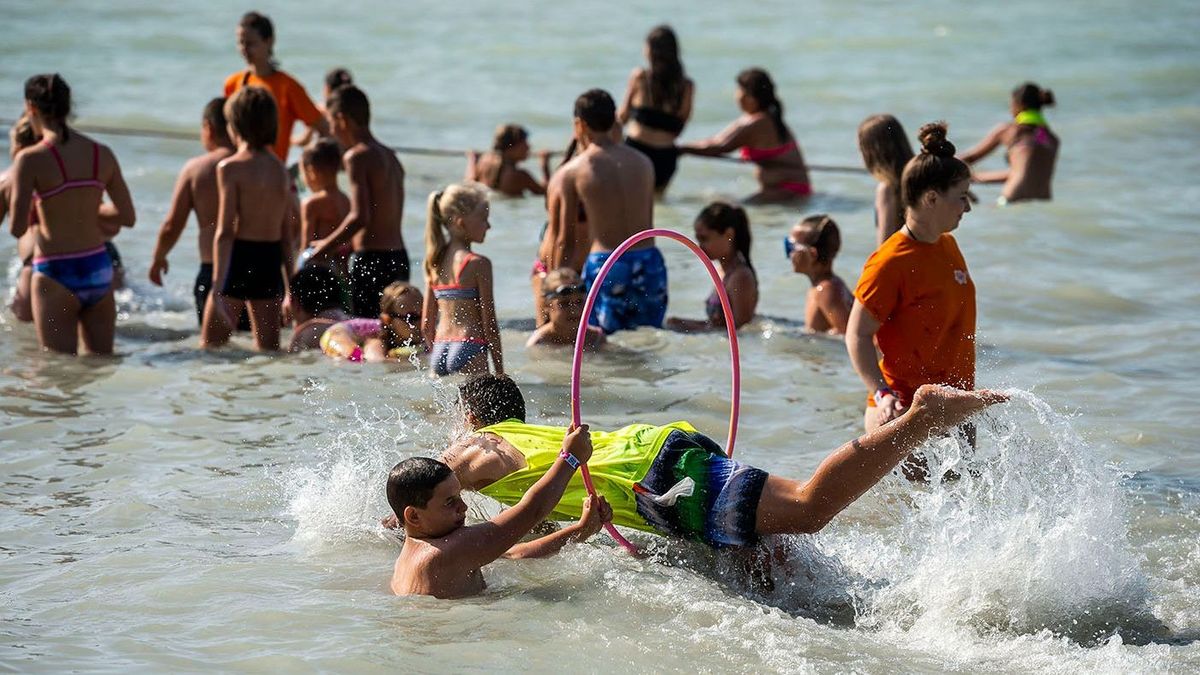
{"points": [[50, 95], [563, 276], [597, 110], [390, 302], [508, 135], [23, 135], [324, 155], [214, 116], [252, 113], [259, 23], [458, 199], [935, 168], [758, 84], [722, 217], [412, 482], [1032, 97], [315, 288], [569, 153], [491, 399], [351, 102], [338, 78], [667, 80], [822, 233]]}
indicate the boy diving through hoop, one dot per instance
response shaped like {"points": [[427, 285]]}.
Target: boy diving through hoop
{"points": [[675, 482]]}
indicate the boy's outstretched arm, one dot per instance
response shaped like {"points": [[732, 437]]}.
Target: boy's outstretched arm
{"points": [[478, 545], [596, 512]]}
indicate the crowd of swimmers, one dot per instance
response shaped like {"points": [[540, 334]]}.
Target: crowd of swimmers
{"points": [[336, 266]]}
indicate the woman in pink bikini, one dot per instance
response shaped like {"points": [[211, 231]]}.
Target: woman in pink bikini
{"points": [[65, 178], [763, 138], [1032, 148]]}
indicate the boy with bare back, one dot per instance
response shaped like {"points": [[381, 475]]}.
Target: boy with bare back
{"points": [[443, 557], [196, 191], [324, 210], [252, 249], [376, 204], [615, 186]]}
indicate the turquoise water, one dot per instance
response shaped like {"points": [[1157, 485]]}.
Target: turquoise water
{"points": [[168, 509]]}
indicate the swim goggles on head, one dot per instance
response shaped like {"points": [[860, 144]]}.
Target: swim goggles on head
{"points": [[788, 246], [564, 290]]}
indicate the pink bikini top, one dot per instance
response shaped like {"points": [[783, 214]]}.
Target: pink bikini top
{"points": [[93, 182], [761, 154]]}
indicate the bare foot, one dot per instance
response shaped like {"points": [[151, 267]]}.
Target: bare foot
{"points": [[943, 408]]}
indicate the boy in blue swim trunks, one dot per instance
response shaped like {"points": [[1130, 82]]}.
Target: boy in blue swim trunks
{"points": [[673, 481], [615, 185]]}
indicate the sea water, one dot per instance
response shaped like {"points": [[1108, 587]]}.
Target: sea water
{"points": [[173, 510]]}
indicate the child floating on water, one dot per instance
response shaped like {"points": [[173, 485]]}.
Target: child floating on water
{"points": [[395, 335], [723, 232], [442, 556], [460, 313], [499, 168], [564, 295], [812, 245], [252, 250], [324, 210]]}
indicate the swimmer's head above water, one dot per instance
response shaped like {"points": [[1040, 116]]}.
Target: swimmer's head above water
{"points": [[426, 497], [488, 399], [253, 117]]}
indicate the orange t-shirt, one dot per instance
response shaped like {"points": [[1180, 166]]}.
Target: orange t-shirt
{"points": [[924, 299], [291, 99]]}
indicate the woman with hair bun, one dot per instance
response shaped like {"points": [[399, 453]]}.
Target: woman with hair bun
{"points": [[915, 300], [764, 139], [1032, 147], [65, 178]]}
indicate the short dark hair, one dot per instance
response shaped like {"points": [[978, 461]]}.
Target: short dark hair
{"points": [[351, 102], [214, 115], [491, 399], [252, 113], [324, 155], [412, 482], [597, 110], [338, 77], [260, 23], [315, 288]]}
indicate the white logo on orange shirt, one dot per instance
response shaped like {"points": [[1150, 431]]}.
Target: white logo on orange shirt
{"points": [[961, 277]]}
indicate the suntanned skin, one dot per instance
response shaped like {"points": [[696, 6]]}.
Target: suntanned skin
{"points": [[736, 276], [488, 169], [615, 184], [827, 305], [443, 557], [376, 192], [1030, 165], [786, 505], [255, 205], [322, 213], [195, 191]]}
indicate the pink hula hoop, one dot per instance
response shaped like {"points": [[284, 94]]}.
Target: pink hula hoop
{"points": [[730, 331]]}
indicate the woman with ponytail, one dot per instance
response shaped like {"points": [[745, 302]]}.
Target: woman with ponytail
{"points": [[811, 247], [763, 138], [1032, 147], [65, 177], [657, 105], [915, 300], [459, 312], [723, 232]]}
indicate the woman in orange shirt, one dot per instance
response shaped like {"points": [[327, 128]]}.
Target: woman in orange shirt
{"points": [[915, 299], [256, 41]]}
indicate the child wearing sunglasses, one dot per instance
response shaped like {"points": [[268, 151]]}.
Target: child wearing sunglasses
{"points": [[394, 335], [564, 295], [811, 246]]}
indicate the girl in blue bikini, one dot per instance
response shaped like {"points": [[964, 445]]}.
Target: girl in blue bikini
{"points": [[65, 178], [459, 318]]}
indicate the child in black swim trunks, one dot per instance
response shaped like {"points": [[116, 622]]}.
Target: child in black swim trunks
{"points": [[252, 250]]}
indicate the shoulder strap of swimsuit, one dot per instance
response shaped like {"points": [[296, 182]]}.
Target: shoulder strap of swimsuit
{"points": [[461, 266], [62, 168], [95, 161]]}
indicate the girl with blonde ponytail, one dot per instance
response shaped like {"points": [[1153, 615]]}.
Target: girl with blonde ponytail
{"points": [[459, 313]]}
